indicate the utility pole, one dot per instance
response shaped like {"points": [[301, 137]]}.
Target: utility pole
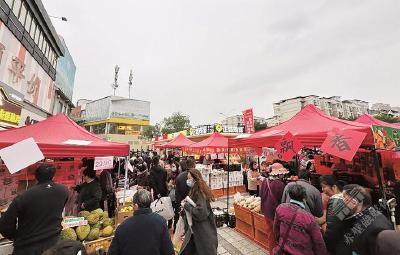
{"points": [[130, 82], [115, 84]]}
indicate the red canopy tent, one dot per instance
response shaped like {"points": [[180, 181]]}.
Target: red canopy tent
{"points": [[371, 120], [310, 126], [215, 143], [178, 142], [52, 134]]}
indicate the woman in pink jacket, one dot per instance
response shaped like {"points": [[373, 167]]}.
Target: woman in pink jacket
{"points": [[296, 230]]}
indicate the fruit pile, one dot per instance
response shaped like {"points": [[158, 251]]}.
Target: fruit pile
{"points": [[126, 209], [252, 203], [99, 225]]}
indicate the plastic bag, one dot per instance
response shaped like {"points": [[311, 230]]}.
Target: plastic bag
{"points": [[163, 207], [179, 231]]}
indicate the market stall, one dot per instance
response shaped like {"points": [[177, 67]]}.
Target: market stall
{"points": [[65, 143]]}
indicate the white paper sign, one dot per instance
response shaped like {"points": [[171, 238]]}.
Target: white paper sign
{"points": [[77, 142], [128, 166], [101, 163], [21, 155]]}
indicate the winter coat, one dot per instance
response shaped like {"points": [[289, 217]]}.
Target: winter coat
{"points": [[202, 239], [35, 216], [388, 242], [271, 194], [158, 181], [314, 199], [334, 223], [90, 196], [182, 190], [361, 231], [304, 238], [146, 233]]}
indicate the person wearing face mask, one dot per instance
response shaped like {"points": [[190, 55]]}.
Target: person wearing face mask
{"points": [[201, 236]]}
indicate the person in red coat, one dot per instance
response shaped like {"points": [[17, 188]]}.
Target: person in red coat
{"points": [[296, 230]]}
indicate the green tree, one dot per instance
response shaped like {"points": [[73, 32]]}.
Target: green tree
{"points": [[387, 118], [151, 131], [259, 126], [175, 123]]}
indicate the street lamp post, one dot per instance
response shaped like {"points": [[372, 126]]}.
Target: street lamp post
{"points": [[130, 82], [115, 84]]}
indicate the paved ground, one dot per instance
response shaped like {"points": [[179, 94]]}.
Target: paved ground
{"points": [[232, 242]]}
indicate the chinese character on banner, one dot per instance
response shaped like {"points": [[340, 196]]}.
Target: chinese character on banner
{"points": [[343, 144], [288, 147], [248, 120]]}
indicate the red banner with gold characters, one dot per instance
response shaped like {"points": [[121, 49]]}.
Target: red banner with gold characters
{"points": [[248, 119], [288, 147], [343, 144]]}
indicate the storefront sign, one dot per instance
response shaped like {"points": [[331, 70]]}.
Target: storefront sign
{"points": [[386, 138], [74, 222], [343, 144], [10, 112], [101, 163], [288, 147], [248, 119], [209, 129]]}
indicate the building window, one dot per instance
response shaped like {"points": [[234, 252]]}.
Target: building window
{"points": [[22, 14], [99, 129], [28, 22], [41, 42], [37, 34], [9, 2], [16, 7], [33, 29]]}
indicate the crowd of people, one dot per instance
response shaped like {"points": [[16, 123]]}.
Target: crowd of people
{"points": [[303, 220]]}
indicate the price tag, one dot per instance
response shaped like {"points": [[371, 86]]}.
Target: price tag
{"points": [[101, 163], [74, 222]]}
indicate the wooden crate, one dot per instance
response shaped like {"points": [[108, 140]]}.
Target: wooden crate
{"points": [[217, 193], [261, 238], [102, 243], [243, 214], [232, 191], [260, 224], [245, 228], [240, 189]]}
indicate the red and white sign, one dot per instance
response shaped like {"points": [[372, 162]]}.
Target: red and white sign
{"points": [[101, 163], [248, 119], [288, 147], [343, 144]]}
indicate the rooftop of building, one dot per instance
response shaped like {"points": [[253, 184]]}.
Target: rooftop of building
{"points": [[113, 98]]}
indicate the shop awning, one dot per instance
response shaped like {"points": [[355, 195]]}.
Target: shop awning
{"points": [[371, 120], [178, 142], [216, 143], [310, 126], [58, 136]]}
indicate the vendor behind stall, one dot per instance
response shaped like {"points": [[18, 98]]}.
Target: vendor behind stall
{"points": [[89, 192], [33, 220]]}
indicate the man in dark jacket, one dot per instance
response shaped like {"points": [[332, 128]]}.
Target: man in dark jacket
{"points": [[146, 233], [33, 220], [89, 192], [158, 179], [364, 224]]}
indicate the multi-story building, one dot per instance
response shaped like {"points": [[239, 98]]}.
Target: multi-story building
{"points": [[385, 108], [29, 49], [237, 120], [115, 118], [333, 106], [64, 86]]}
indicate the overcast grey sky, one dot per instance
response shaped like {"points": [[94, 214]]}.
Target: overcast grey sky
{"points": [[203, 57]]}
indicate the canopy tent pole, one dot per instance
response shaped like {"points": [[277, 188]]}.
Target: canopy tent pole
{"points": [[126, 179], [380, 183], [227, 192]]}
